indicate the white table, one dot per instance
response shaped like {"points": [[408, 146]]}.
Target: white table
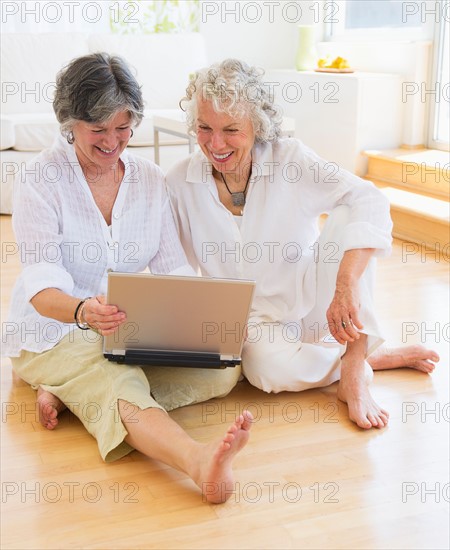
{"points": [[173, 126], [177, 127]]}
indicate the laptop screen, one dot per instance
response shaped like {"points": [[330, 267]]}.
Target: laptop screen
{"points": [[174, 313]]}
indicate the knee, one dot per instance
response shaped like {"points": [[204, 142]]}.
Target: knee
{"points": [[227, 380], [261, 369]]}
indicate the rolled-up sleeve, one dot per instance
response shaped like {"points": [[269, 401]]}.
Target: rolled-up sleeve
{"points": [[38, 236], [39, 276], [370, 224]]}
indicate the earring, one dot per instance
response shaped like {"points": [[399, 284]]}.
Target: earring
{"points": [[132, 133], [70, 138]]}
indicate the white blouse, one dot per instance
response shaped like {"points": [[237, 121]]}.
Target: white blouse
{"points": [[276, 243], [64, 241]]}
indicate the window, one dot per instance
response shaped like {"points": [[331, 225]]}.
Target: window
{"points": [[439, 105], [378, 19]]}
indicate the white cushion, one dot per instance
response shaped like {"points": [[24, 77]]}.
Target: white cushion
{"points": [[162, 62], [29, 65], [34, 131], [11, 162], [7, 135]]}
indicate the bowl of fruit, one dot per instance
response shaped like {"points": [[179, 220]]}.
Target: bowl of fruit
{"points": [[338, 65]]}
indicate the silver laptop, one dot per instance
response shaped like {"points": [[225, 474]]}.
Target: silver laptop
{"points": [[178, 321]]}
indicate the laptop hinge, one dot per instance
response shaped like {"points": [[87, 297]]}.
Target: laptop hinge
{"points": [[173, 358]]}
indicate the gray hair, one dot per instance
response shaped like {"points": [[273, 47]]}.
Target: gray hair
{"points": [[93, 88], [236, 89]]}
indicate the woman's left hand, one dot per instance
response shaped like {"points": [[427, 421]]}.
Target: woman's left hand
{"points": [[343, 314], [102, 317]]}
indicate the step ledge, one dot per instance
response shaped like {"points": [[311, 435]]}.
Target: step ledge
{"points": [[430, 207], [416, 189], [429, 157]]}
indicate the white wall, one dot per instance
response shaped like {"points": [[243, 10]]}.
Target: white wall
{"points": [[409, 59], [262, 33], [49, 16]]}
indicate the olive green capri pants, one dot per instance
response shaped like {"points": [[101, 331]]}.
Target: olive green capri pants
{"points": [[90, 385]]}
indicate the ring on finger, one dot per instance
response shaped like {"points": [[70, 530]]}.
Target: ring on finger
{"points": [[344, 325]]}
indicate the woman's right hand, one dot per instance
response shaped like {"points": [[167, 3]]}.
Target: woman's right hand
{"points": [[100, 316]]}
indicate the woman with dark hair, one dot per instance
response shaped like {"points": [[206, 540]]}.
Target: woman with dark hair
{"points": [[85, 207]]}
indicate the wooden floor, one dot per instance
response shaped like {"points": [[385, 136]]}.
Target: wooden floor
{"points": [[308, 478]]}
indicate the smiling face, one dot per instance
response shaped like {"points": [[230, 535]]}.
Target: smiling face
{"points": [[225, 140], [103, 143]]}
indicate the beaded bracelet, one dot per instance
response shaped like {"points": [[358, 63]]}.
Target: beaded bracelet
{"points": [[78, 315]]}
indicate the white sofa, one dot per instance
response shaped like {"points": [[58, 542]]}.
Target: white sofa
{"points": [[29, 62]]}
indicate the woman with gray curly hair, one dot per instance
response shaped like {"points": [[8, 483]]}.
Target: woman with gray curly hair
{"points": [[86, 207], [248, 206]]}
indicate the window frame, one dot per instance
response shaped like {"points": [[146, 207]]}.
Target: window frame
{"points": [[336, 31], [432, 110]]}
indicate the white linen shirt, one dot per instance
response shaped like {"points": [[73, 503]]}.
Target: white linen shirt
{"points": [[64, 242], [276, 243]]}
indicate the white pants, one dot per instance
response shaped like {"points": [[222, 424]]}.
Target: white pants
{"points": [[297, 356]]}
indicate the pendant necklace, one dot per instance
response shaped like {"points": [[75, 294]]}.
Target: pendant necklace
{"points": [[239, 197]]}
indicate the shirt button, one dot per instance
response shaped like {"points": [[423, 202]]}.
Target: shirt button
{"points": [[116, 244], [116, 216]]}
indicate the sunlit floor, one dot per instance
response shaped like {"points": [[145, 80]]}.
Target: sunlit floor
{"points": [[307, 479]]}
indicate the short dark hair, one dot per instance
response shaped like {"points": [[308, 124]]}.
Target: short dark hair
{"points": [[93, 88]]}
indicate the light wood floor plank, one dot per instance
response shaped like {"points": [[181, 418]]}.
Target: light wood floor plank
{"points": [[308, 478]]}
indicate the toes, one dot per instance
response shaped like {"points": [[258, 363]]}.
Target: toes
{"points": [[364, 422], [373, 418], [242, 422], [239, 421], [428, 366], [247, 419], [425, 366], [381, 418], [430, 355], [232, 429], [423, 354], [48, 416], [382, 421], [229, 437], [376, 420]]}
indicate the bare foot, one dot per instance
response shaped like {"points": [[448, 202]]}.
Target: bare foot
{"points": [[215, 476], [415, 357], [362, 409], [49, 406], [353, 388]]}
